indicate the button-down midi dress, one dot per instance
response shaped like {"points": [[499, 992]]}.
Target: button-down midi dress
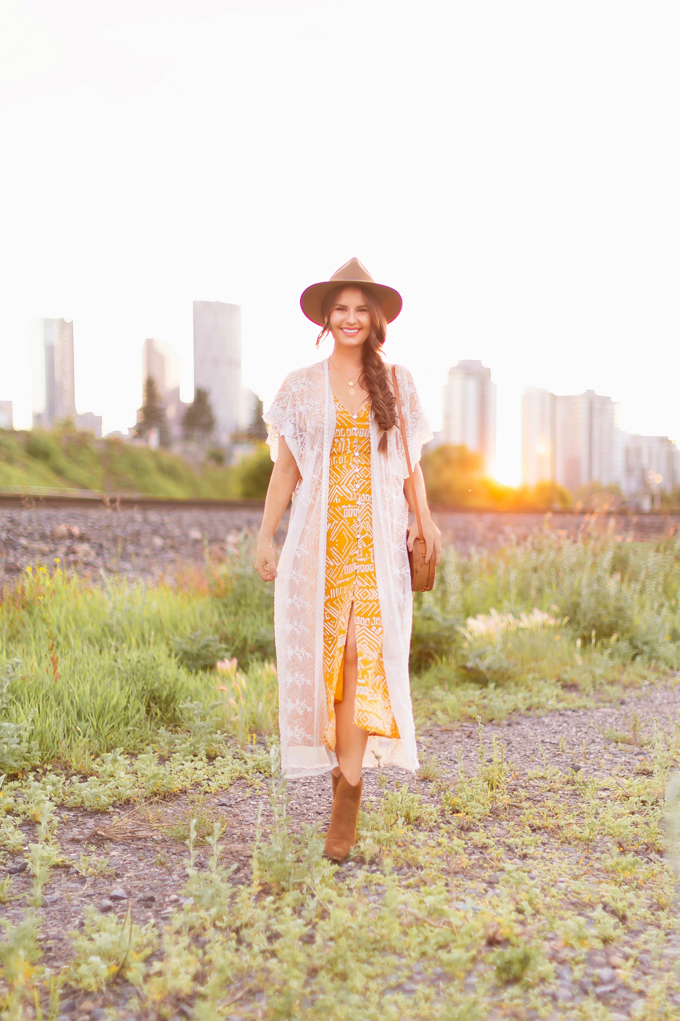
{"points": [[351, 580], [304, 413]]}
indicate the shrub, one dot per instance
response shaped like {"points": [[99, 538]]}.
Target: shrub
{"points": [[254, 473], [434, 635], [199, 651]]}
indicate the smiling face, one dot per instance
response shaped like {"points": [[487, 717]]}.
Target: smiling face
{"points": [[350, 318]]}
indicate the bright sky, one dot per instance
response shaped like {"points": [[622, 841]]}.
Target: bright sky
{"points": [[511, 167]]}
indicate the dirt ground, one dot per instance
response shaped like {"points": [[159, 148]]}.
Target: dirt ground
{"points": [[145, 858]]}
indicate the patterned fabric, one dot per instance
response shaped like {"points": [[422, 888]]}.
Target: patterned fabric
{"points": [[350, 578], [303, 412]]}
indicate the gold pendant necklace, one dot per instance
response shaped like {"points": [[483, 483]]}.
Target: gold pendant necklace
{"points": [[351, 382]]}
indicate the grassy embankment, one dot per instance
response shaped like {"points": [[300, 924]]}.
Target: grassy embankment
{"points": [[119, 684], [65, 459]]}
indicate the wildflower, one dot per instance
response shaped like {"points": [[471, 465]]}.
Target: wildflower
{"points": [[226, 666]]}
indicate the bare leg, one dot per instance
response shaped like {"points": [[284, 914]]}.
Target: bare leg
{"points": [[350, 740]]}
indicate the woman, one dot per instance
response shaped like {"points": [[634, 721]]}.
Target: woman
{"points": [[343, 601]]}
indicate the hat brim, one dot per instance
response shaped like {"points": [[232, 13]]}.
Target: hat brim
{"points": [[312, 298]]}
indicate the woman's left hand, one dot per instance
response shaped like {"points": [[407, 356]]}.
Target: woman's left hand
{"points": [[432, 537]]}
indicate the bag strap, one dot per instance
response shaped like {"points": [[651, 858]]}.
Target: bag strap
{"points": [[406, 451]]}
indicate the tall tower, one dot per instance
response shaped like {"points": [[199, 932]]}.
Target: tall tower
{"points": [[470, 410], [217, 362], [53, 380], [585, 440]]}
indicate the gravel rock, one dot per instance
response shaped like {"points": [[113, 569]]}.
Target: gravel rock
{"points": [[148, 543], [106, 905], [118, 893]]}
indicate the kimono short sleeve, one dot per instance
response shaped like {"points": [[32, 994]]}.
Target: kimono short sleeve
{"points": [[416, 424], [282, 418]]}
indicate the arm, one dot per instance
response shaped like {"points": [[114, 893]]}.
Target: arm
{"points": [[432, 536], [283, 481]]}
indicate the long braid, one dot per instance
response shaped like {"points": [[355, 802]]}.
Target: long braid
{"points": [[374, 374]]}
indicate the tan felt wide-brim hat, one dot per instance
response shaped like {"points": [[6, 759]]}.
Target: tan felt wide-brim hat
{"points": [[353, 272]]}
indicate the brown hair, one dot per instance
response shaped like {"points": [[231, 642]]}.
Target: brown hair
{"points": [[374, 374]]}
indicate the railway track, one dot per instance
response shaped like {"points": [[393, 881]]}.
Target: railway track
{"points": [[32, 498], [102, 501]]}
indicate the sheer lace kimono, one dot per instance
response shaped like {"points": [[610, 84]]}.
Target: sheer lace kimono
{"points": [[304, 414]]}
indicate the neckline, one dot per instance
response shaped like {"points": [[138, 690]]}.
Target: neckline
{"points": [[346, 410]]}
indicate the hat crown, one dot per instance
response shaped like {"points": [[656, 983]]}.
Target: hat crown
{"points": [[351, 271]]}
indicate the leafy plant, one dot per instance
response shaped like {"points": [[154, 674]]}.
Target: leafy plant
{"points": [[199, 651], [287, 859], [513, 963], [15, 747], [107, 947], [434, 635]]}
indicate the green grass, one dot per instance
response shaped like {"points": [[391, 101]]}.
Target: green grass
{"points": [[91, 669], [114, 692], [65, 459], [122, 666]]}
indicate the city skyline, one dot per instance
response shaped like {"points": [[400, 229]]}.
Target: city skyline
{"points": [[530, 220], [576, 440], [573, 440]]}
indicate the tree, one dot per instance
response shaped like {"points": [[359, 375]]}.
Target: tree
{"points": [[257, 430], [199, 420], [551, 496], [453, 476], [153, 414]]}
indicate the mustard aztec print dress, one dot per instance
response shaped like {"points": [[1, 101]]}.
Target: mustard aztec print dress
{"points": [[350, 578]]}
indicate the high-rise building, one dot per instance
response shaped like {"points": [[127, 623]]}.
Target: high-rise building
{"points": [[161, 363], [572, 440], [470, 410], [53, 379], [6, 419], [53, 388], [585, 440], [651, 466], [217, 363], [538, 436]]}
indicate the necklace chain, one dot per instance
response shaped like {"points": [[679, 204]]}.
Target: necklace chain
{"points": [[350, 381]]}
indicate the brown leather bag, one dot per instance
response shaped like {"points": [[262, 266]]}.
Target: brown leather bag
{"points": [[422, 574]]}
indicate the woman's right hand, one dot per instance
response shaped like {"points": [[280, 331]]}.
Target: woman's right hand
{"points": [[265, 560]]}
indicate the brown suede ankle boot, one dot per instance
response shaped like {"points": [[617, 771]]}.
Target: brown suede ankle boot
{"points": [[336, 781], [342, 832]]}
